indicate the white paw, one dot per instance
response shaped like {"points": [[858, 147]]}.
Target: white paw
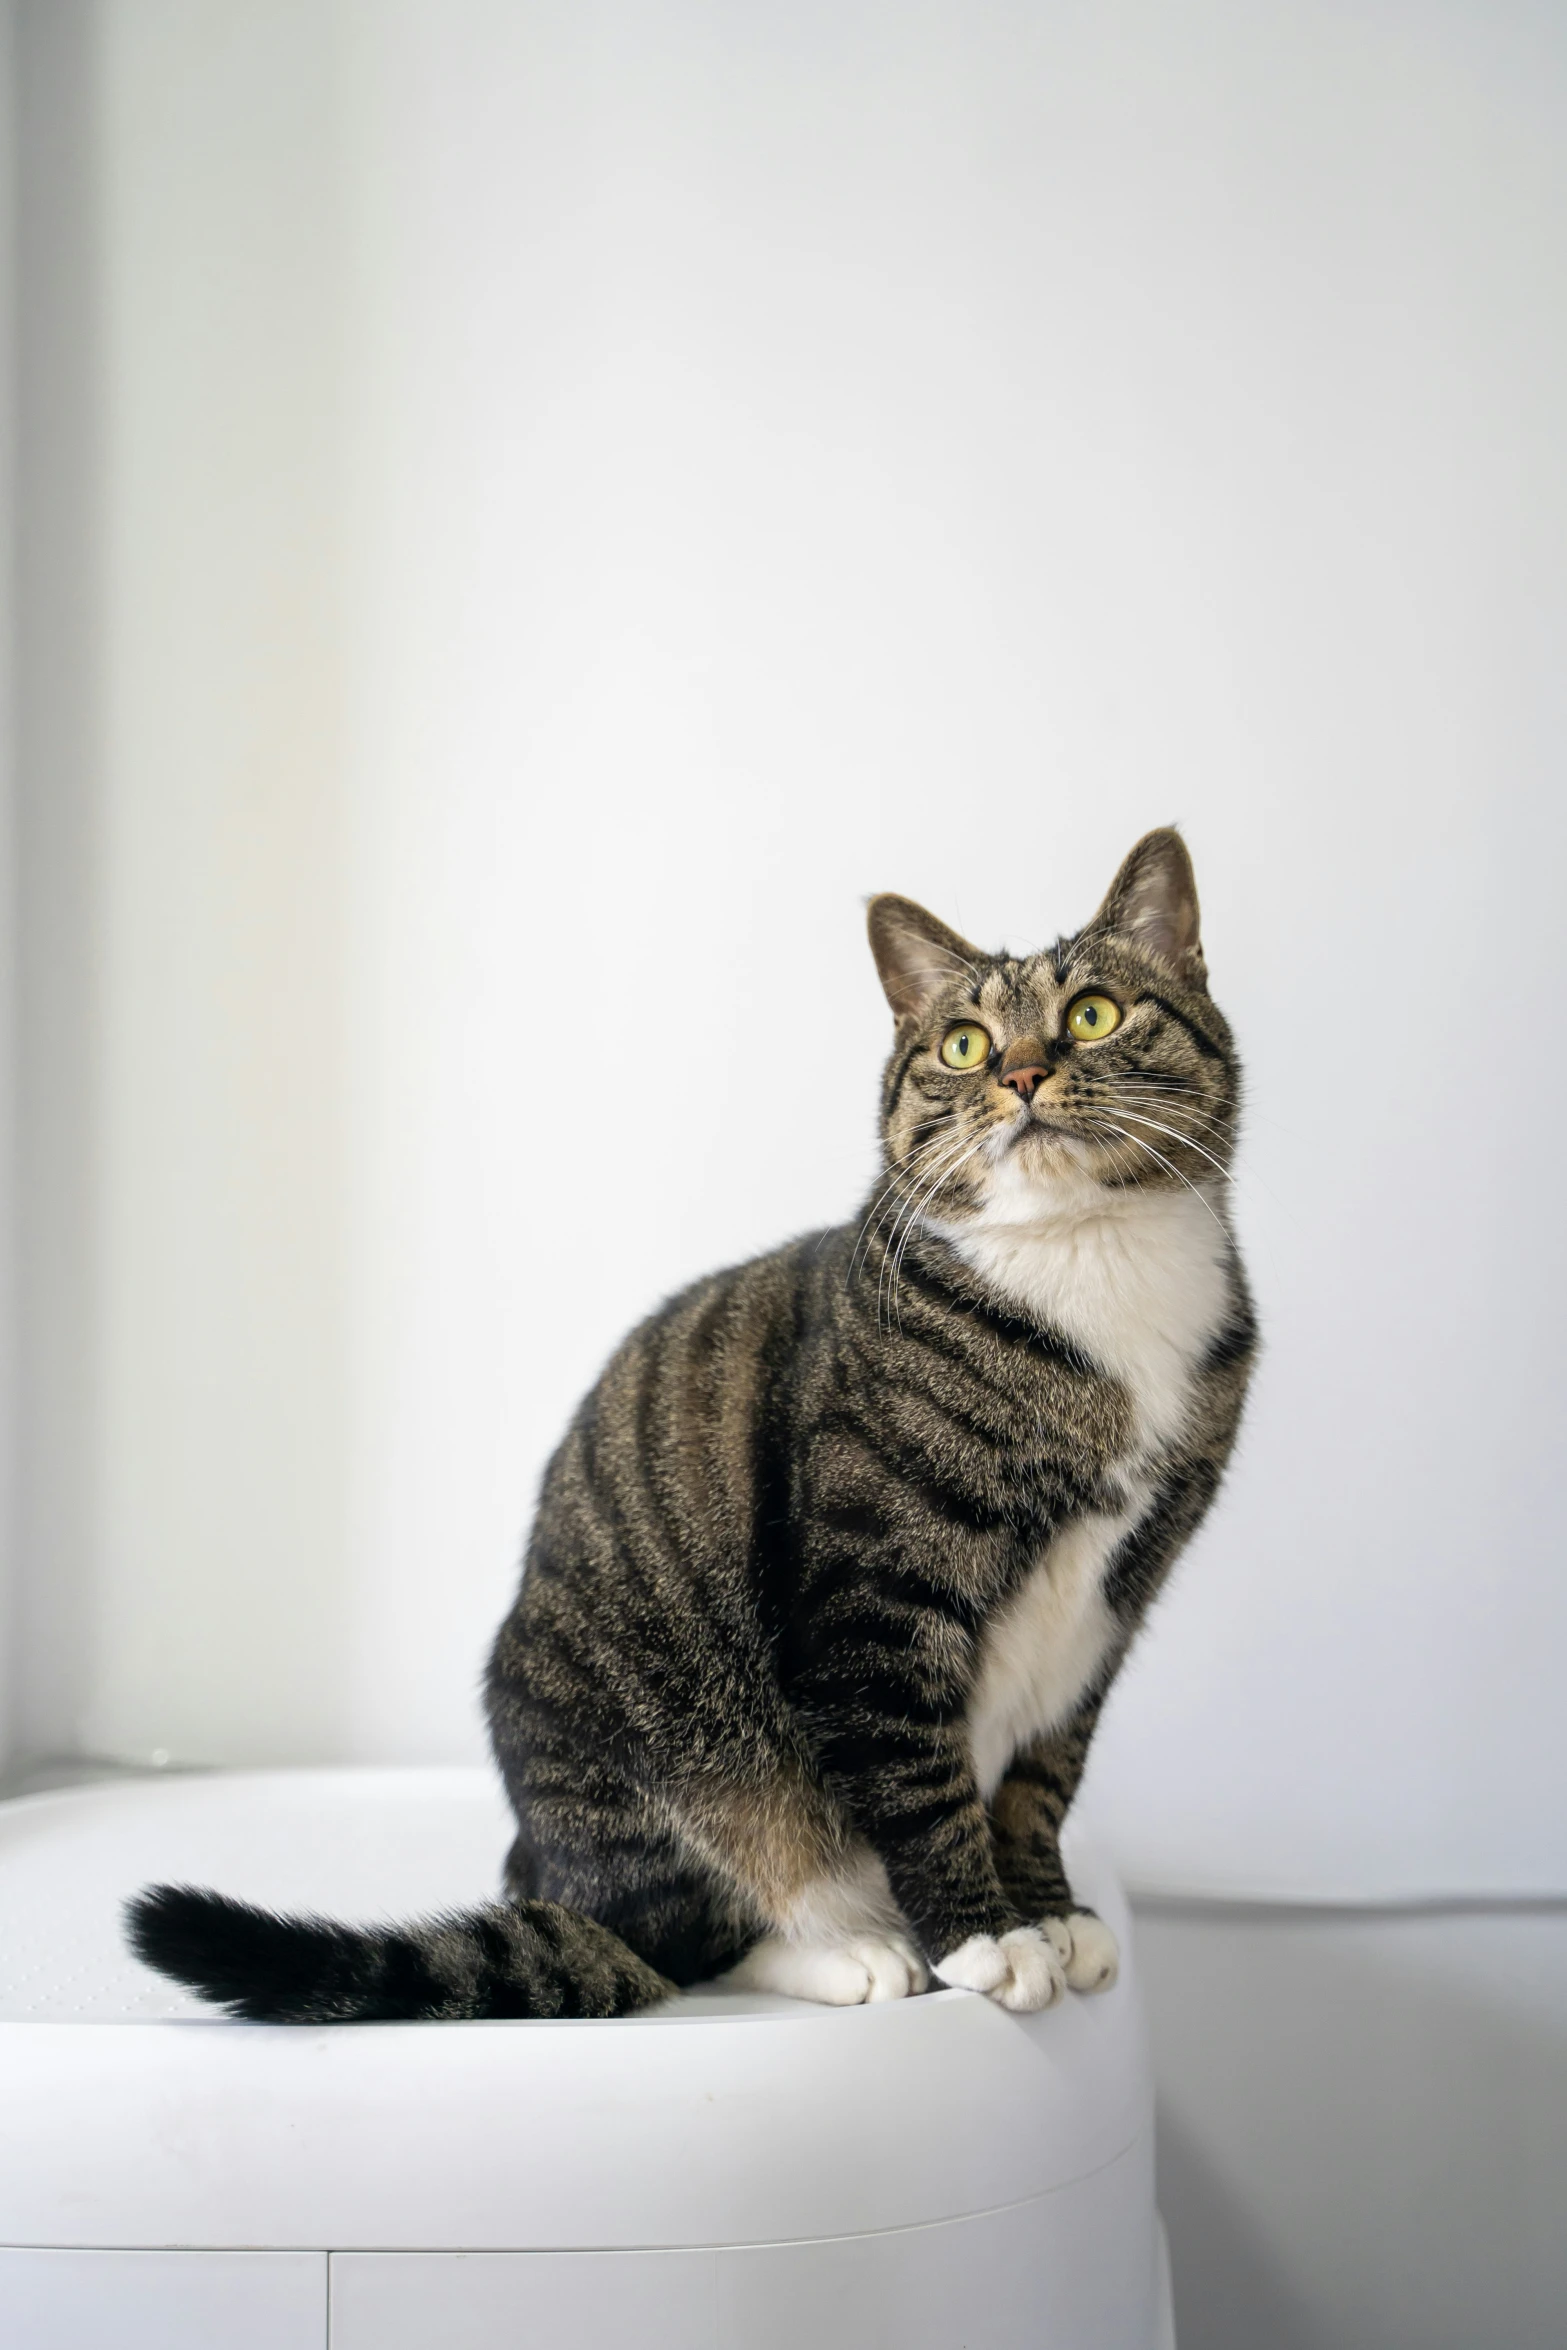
{"points": [[1021, 1971], [894, 1968], [839, 1974], [1087, 1950]]}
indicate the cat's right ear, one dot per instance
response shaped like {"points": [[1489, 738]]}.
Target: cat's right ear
{"points": [[916, 955]]}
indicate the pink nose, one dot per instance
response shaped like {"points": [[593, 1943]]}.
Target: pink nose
{"points": [[1023, 1081]]}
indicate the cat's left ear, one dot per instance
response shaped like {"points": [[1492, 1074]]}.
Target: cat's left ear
{"points": [[916, 955], [1153, 899]]}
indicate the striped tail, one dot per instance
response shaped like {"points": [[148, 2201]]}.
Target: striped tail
{"points": [[526, 1958]]}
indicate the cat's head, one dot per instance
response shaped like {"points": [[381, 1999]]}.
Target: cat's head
{"points": [[1100, 1065]]}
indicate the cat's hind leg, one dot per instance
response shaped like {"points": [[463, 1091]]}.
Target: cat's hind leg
{"points": [[820, 1918], [838, 1974], [840, 1939], [605, 1855]]}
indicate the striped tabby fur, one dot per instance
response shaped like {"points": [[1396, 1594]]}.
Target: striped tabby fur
{"points": [[840, 1556]]}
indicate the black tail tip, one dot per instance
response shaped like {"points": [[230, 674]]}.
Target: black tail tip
{"points": [[213, 1945], [171, 1927]]}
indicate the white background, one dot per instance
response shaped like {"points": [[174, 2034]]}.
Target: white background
{"points": [[524, 514], [530, 513]]}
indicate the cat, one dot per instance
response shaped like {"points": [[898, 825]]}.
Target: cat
{"points": [[839, 1558]]}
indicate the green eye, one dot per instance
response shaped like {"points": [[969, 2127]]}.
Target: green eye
{"points": [[967, 1047], [1092, 1017]]}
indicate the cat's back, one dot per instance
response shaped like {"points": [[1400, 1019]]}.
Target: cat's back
{"points": [[671, 1453]]}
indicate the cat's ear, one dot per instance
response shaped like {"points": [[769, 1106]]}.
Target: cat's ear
{"points": [[916, 955], [1153, 899]]}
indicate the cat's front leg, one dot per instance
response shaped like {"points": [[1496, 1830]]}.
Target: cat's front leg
{"points": [[1026, 1816], [909, 1790]]}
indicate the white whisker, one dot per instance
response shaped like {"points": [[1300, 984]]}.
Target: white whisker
{"points": [[1175, 1171], [952, 1148], [974, 1148], [1138, 1118], [901, 1173]]}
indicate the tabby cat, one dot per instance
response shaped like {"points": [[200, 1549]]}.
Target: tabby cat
{"points": [[839, 1558]]}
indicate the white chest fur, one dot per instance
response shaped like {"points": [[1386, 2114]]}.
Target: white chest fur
{"points": [[1138, 1282], [1045, 1648]]}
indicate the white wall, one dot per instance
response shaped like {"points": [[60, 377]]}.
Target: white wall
{"points": [[183, 924], [525, 514], [1362, 2125], [8, 893], [582, 494]]}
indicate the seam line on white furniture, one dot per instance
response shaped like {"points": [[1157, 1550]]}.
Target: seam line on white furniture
{"points": [[955, 2219]]}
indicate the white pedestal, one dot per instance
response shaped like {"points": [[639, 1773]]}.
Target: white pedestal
{"points": [[735, 2172]]}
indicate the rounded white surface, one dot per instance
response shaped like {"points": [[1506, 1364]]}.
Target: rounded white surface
{"points": [[134, 2116]]}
